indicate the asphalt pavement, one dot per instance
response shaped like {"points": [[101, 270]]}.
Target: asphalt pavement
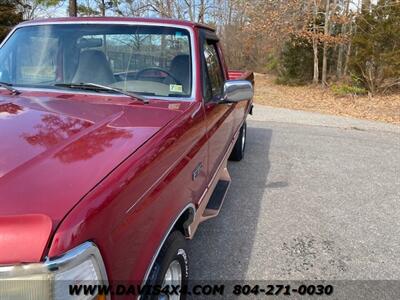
{"points": [[311, 200]]}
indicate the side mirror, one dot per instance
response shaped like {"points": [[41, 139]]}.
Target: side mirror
{"points": [[237, 90]]}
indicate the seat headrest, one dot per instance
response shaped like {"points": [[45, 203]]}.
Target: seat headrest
{"points": [[93, 67]]}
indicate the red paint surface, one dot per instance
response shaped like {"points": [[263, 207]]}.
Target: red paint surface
{"points": [[33, 230], [56, 149], [120, 19]]}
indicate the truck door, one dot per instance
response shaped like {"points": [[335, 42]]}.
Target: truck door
{"points": [[219, 117]]}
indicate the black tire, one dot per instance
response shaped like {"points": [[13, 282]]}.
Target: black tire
{"points": [[174, 249], [240, 145]]}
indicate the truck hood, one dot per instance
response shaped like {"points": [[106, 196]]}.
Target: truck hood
{"points": [[54, 150]]}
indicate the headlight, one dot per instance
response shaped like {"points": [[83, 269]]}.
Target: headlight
{"points": [[51, 279]]}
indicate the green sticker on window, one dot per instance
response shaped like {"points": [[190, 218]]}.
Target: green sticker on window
{"points": [[176, 88]]}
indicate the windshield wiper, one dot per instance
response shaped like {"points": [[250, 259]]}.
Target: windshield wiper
{"points": [[99, 87], [9, 87]]}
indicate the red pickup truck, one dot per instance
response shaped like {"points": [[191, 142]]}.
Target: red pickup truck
{"points": [[115, 136]]}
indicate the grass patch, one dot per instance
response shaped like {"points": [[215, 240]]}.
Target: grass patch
{"points": [[345, 90]]}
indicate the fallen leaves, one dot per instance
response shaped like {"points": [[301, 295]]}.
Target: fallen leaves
{"points": [[322, 100]]}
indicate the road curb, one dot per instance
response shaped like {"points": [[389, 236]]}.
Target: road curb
{"points": [[283, 115]]}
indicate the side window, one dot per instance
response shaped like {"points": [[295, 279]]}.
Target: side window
{"points": [[214, 77]]}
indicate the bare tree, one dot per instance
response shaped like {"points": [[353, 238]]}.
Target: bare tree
{"points": [[31, 9], [315, 42], [345, 27], [325, 49], [366, 5], [102, 6], [133, 8], [72, 8], [352, 30]]}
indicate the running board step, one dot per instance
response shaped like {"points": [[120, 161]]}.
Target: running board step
{"points": [[217, 199]]}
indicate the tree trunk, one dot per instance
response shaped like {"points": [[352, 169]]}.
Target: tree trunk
{"points": [[346, 64], [72, 8], [190, 10], [230, 12], [316, 69], [315, 44], [366, 5], [202, 11], [103, 8], [325, 51], [348, 52], [169, 9], [339, 64]]}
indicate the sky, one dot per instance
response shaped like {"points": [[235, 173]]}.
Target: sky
{"points": [[62, 10]]}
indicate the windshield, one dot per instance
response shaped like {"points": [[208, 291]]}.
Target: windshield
{"points": [[146, 60]]}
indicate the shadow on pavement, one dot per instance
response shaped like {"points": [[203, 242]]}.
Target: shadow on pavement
{"points": [[222, 247]]}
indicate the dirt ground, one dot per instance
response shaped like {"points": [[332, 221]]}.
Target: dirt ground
{"points": [[319, 99]]}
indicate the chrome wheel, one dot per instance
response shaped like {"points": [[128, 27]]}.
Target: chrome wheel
{"points": [[173, 276], [237, 153], [243, 137]]}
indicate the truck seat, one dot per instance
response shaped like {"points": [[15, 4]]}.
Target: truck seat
{"points": [[180, 68], [93, 68]]}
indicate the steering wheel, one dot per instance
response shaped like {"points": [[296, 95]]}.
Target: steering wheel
{"points": [[169, 74]]}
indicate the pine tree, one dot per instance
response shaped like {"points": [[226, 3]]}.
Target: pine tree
{"points": [[296, 62], [9, 17], [376, 56]]}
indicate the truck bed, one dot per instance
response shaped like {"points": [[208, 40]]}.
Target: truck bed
{"points": [[244, 75]]}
